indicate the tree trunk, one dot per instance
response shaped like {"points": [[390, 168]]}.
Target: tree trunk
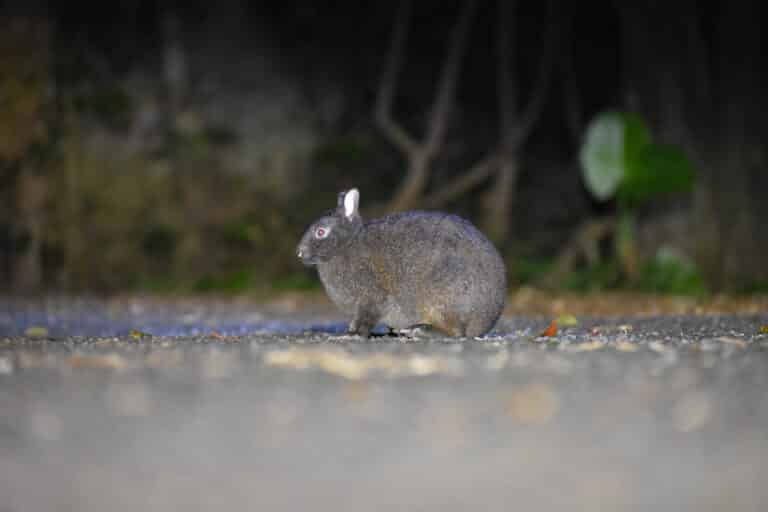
{"points": [[515, 122], [499, 201], [24, 91], [730, 145], [30, 202], [410, 191]]}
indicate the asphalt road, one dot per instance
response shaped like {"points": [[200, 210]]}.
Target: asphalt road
{"points": [[197, 408]]}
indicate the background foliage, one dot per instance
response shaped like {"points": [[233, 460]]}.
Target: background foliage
{"points": [[170, 147]]}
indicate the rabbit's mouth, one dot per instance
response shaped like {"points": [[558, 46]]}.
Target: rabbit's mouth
{"points": [[306, 257]]}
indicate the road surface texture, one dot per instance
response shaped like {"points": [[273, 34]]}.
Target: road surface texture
{"points": [[139, 406]]}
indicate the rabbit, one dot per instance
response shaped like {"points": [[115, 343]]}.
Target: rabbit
{"points": [[407, 270]]}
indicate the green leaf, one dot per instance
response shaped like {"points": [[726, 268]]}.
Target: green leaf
{"points": [[36, 331], [137, 334], [657, 169], [636, 135], [619, 159], [614, 141], [602, 155], [567, 320]]}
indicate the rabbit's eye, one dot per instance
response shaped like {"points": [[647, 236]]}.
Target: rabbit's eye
{"points": [[321, 232]]}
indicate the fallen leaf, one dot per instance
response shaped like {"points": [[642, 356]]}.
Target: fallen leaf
{"points": [[567, 320], [137, 334], [36, 331], [551, 330]]}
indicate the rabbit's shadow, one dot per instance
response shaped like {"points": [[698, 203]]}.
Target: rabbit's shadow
{"points": [[341, 328], [379, 331]]}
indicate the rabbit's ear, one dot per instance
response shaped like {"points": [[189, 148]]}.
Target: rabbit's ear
{"points": [[349, 201]]}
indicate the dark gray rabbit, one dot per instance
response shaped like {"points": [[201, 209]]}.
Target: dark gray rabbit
{"points": [[407, 269]]}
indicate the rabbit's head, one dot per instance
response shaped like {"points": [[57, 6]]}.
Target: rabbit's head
{"points": [[327, 236]]}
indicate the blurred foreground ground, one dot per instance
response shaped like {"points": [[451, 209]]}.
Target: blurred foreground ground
{"points": [[645, 403]]}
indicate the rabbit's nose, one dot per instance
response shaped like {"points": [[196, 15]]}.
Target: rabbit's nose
{"points": [[299, 252]]}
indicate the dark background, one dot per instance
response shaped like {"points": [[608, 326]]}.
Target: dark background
{"points": [[184, 146]]}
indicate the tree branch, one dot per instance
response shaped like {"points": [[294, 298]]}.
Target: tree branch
{"points": [[463, 182], [583, 243], [574, 116], [420, 154], [396, 134], [507, 87], [535, 105], [442, 106]]}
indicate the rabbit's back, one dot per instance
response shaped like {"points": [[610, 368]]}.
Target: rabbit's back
{"points": [[434, 268]]}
